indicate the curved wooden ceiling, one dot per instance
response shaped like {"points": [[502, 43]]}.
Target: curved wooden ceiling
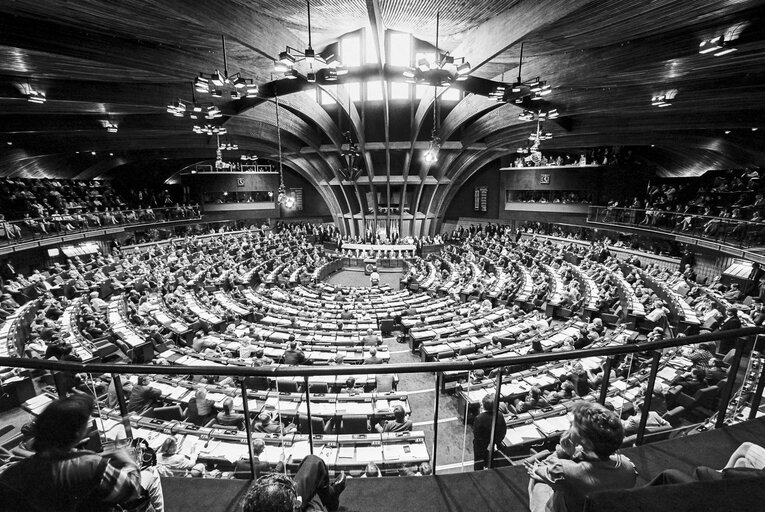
{"points": [[124, 60]]}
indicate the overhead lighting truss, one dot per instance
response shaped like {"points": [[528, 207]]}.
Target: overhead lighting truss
{"points": [[445, 70], [222, 84], [209, 129], [328, 65]]}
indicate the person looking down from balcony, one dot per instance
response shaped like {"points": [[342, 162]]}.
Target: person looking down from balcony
{"points": [[585, 461]]}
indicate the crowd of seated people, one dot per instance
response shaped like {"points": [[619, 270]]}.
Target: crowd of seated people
{"points": [[710, 206], [39, 207], [182, 278]]}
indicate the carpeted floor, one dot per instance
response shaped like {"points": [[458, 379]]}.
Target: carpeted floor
{"points": [[357, 278]]}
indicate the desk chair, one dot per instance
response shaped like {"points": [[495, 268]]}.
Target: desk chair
{"points": [[316, 388], [387, 326], [256, 383], [316, 422], [170, 413], [287, 386], [354, 424], [384, 383]]}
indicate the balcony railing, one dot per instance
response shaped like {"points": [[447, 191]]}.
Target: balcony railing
{"points": [[735, 232], [658, 352], [37, 228]]}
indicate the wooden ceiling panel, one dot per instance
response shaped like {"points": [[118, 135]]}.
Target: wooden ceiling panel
{"points": [[124, 60]]}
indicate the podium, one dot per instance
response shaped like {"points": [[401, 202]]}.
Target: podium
{"points": [[369, 265]]}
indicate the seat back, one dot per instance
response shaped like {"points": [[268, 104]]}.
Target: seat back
{"points": [[318, 388], [354, 424], [673, 416], [384, 382], [170, 413], [316, 423], [387, 325], [707, 397], [287, 386], [258, 383]]}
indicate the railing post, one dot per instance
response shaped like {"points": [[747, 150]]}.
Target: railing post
{"points": [[439, 381], [757, 394], [606, 378], [248, 428], [308, 411], [648, 397], [726, 393], [494, 414], [123, 405]]}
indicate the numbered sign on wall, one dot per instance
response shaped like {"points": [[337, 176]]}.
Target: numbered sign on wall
{"points": [[480, 199]]}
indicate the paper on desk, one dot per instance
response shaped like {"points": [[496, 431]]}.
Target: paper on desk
{"points": [[616, 401], [513, 437], [528, 432], [553, 424], [368, 454], [619, 384], [230, 451], [667, 373], [393, 452], [300, 450], [346, 452]]}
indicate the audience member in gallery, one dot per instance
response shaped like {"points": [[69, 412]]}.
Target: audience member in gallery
{"points": [[310, 490], [584, 462], [61, 477]]}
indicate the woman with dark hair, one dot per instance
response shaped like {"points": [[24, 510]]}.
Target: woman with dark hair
{"points": [[585, 461], [61, 478]]}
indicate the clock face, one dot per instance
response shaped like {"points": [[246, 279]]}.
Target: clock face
{"points": [[544, 179]]}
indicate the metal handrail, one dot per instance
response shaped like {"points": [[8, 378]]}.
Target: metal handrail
{"points": [[439, 368], [677, 214]]}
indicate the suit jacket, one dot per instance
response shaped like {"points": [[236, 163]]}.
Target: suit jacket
{"points": [[242, 468]]}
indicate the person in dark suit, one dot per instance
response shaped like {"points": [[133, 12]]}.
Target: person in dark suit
{"points": [[143, 395], [731, 322], [242, 466], [482, 432], [293, 355]]}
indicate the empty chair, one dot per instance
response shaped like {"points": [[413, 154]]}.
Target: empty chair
{"points": [[354, 424], [384, 383], [169, 413], [386, 326], [321, 388], [258, 383], [316, 422], [287, 386]]}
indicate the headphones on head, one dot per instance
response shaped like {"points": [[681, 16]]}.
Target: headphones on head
{"points": [[263, 495], [145, 455]]}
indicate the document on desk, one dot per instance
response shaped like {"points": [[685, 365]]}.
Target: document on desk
{"points": [[300, 450], [557, 372], [513, 437], [616, 401], [667, 373], [346, 452], [382, 405], [621, 385], [393, 452], [232, 452], [553, 425], [368, 454], [528, 432]]}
